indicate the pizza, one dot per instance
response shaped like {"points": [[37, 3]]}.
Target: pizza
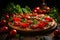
{"points": [[32, 22]]}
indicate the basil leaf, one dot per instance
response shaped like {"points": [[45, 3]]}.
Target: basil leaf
{"points": [[19, 8]]}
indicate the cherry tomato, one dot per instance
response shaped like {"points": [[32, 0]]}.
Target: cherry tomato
{"points": [[40, 12], [37, 8], [48, 8], [4, 29], [3, 22], [13, 32], [6, 16], [35, 11], [43, 11], [57, 32]]}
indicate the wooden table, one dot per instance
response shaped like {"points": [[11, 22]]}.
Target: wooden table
{"points": [[37, 37]]}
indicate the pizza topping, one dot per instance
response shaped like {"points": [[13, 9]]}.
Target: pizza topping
{"points": [[16, 19], [29, 21], [48, 19], [16, 23], [41, 24], [24, 25], [33, 21], [34, 26]]}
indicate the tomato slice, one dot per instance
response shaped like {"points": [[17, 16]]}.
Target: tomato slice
{"points": [[49, 19], [42, 24], [24, 25], [16, 19]]}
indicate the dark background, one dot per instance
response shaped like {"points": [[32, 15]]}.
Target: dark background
{"points": [[30, 3]]}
